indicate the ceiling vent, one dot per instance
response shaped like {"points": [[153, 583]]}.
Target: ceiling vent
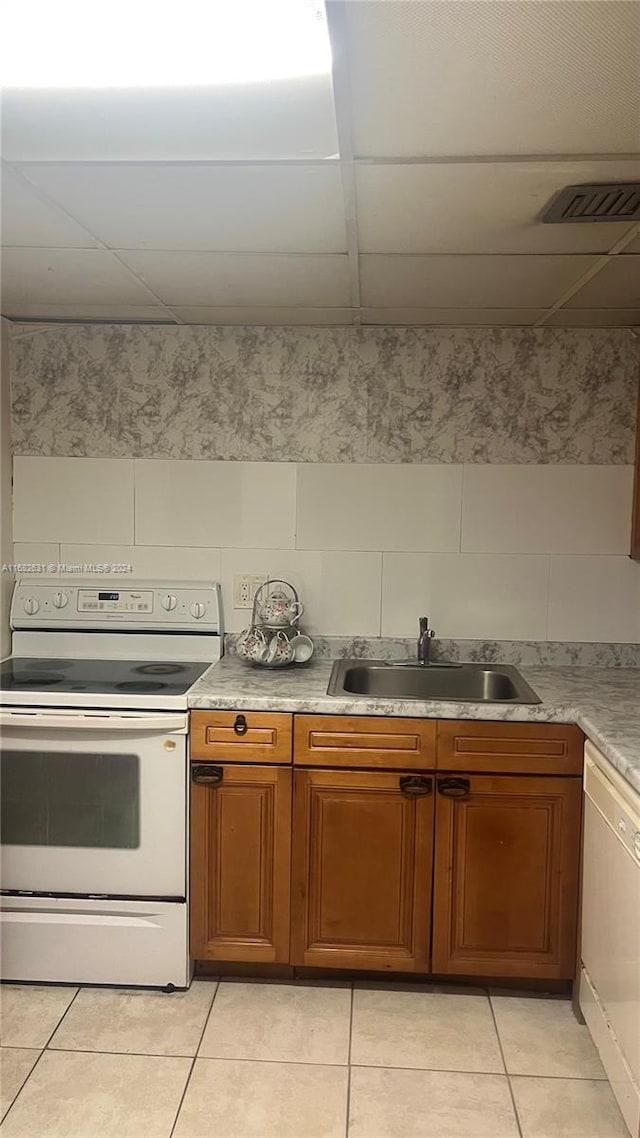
{"points": [[599, 201]]}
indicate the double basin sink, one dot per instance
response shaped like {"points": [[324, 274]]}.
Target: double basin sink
{"points": [[466, 683]]}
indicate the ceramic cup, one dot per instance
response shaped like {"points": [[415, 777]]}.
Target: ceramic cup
{"points": [[280, 651], [302, 648], [251, 644]]}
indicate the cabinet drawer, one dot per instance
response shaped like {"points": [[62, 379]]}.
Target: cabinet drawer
{"points": [[241, 736], [364, 741], [509, 748]]}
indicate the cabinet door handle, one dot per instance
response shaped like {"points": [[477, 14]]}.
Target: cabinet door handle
{"points": [[454, 787], [205, 774], [240, 726], [415, 785]]}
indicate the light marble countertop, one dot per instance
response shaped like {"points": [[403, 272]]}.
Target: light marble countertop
{"points": [[604, 702]]}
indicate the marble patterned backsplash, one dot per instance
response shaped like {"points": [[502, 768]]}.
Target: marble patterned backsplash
{"points": [[524, 652], [383, 395]]}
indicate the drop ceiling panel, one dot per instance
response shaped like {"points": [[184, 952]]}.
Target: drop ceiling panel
{"points": [[134, 314], [468, 282], [434, 78], [263, 316], [633, 246], [479, 208], [68, 277], [617, 285], [287, 119], [594, 318], [461, 317], [278, 209], [237, 280], [28, 220]]}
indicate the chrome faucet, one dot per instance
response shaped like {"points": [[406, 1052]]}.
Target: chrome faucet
{"points": [[424, 641]]}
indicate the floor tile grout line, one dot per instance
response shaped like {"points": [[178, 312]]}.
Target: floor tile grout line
{"points": [[506, 1069], [44, 1048], [348, 1103], [312, 1063], [193, 1061]]}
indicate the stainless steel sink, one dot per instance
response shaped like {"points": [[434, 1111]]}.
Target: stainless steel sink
{"points": [[467, 683]]}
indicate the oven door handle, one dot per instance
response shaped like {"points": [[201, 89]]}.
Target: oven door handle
{"points": [[80, 721]]}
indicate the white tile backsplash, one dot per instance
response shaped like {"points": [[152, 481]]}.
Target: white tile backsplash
{"points": [[148, 562], [45, 553], [215, 504], [547, 509], [73, 499], [594, 598], [369, 547], [466, 595], [379, 506], [340, 590]]}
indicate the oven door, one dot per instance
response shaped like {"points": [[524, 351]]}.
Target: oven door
{"points": [[94, 803]]}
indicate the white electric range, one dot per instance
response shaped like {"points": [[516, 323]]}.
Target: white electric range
{"points": [[94, 778]]}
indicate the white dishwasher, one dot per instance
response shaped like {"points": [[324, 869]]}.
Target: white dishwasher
{"points": [[610, 951]]}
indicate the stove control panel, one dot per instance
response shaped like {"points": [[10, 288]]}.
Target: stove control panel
{"points": [[141, 606], [115, 600]]}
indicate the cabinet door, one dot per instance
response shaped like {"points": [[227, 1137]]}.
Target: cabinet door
{"points": [[362, 862], [240, 862], [506, 876]]}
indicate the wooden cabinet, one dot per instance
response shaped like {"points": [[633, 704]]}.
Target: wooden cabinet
{"points": [[509, 748], [341, 876], [362, 865], [506, 876], [364, 741], [241, 737], [240, 862]]}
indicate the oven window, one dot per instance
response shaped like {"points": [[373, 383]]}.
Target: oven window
{"points": [[60, 799]]}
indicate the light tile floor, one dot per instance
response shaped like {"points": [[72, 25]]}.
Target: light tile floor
{"points": [[302, 1060]]}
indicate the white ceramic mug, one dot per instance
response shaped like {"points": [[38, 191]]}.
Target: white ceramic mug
{"points": [[302, 647]]}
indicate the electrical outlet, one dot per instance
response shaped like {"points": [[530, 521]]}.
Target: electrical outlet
{"points": [[244, 590]]}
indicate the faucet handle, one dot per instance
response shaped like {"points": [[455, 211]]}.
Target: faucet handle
{"points": [[423, 623]]}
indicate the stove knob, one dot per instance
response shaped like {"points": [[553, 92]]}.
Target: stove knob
{"points": [[198, 609], [60, 600], [169, 602], [31, 606]]}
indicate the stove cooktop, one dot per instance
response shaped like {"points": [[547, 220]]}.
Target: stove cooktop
{"points": [[99, 677]]}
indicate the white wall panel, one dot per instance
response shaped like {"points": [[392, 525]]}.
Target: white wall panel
{"points": [[594, 598], [546, 509], [73, 500], [466, 595], [340, 590], [378, 507], [215, 504]]}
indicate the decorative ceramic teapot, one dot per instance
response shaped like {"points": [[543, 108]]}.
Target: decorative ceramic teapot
{"points": [[276, 607]]}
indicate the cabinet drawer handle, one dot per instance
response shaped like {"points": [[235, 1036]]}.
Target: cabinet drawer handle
{"points": [[240, 726], [415, 785], [454, 787], [205, 774]]}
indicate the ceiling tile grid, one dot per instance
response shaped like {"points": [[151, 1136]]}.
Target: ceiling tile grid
{"points": [[407, 188]]}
